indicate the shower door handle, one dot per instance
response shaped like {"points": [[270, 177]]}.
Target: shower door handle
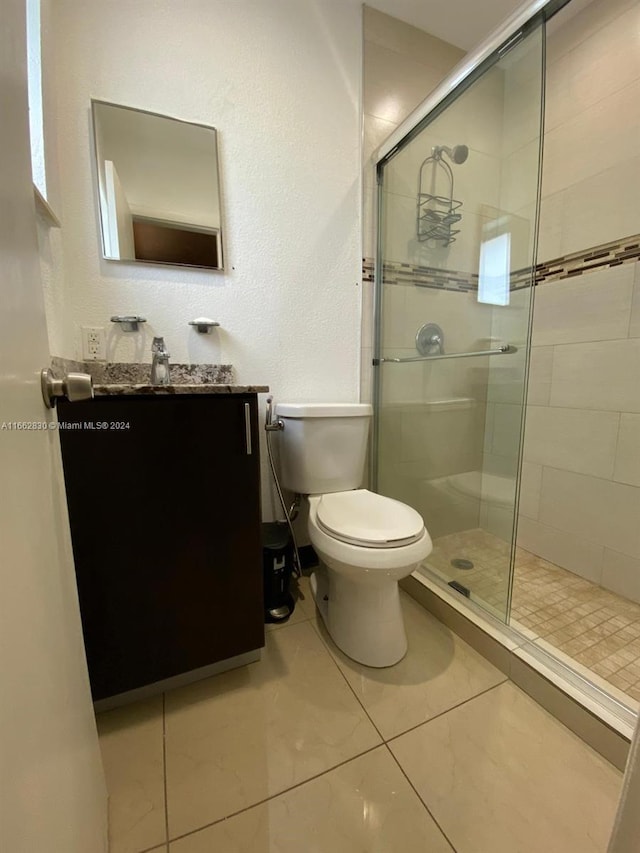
{"points": [[505, 349]]}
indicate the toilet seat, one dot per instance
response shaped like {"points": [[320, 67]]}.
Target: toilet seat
{"points": [[363, 518]]}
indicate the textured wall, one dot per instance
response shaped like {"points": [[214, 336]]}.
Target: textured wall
{"points": [[280, 80]]}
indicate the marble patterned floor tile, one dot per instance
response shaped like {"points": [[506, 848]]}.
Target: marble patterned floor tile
{"points": [[304, 601], [363, 806], [439, 671], [131, 745], [240, 737], [500, 774]]}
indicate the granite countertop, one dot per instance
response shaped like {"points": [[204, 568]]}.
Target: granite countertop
{"points": [[130, 389], [129, 379]]}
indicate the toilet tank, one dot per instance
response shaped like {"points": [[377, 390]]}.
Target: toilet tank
{"points": [[323, 446]]}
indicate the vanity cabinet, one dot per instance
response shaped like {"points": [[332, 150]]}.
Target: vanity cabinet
{"points": [[164, 506]]}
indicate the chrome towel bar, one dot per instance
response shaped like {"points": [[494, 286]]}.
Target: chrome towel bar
{"points": [[505, 349]]}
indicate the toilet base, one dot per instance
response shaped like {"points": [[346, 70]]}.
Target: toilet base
{"points": [[363, 619]]}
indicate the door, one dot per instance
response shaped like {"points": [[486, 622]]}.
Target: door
{"points": [[52, 791], [457, 236]]}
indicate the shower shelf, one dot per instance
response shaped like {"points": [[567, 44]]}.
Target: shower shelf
{"points": [[437, 214]]}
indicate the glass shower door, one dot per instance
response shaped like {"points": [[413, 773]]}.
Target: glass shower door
{"points": [[456, 255]]}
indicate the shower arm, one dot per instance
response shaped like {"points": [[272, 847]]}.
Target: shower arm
{"points": [[505, 349]]}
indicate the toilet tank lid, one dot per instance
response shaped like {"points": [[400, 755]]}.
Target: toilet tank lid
{"points": [[324, 410]]}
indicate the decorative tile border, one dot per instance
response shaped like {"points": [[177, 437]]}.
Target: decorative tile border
{"points": [[568, 266], [607, 255], [420, 276]]}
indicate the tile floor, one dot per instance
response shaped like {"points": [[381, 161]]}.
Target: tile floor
{"points": [[309, 752], [597, 628]]}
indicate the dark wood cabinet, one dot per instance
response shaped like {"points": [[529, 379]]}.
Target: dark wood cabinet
{"points": [[164, 505]]}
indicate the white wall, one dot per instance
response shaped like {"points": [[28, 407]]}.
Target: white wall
{"points": [[280, 80]]}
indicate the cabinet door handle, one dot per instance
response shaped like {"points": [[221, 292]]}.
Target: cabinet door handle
{"points": [[247, 427]]}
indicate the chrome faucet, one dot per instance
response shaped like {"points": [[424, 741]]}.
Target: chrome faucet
{"points": [[160, 369]]}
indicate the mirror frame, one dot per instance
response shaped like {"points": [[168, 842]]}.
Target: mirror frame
{"points": [[94, 102]]}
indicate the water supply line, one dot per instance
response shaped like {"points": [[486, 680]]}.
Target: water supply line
{"points": [[290, 515]]}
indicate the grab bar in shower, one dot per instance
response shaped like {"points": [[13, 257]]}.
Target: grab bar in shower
{"points": [[505, 349]]}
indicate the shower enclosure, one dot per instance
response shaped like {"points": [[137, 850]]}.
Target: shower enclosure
{"points": [[461, 250], [456, 254]]}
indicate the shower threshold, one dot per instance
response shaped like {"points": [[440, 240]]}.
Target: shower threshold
{"points": [[567, 690]]}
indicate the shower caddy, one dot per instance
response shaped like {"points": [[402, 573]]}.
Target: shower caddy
{"points": [[437, 214]]}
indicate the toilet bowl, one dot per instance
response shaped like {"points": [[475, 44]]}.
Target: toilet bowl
{"points": [[366, 542], [356, 588]]}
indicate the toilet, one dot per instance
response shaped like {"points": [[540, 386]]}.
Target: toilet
{"points": [[366, 542]]}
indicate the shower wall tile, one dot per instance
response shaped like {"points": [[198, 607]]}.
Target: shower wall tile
{"points": [[621, 574], [604, 135], [443, 442], [395, 83], [530, 486], [540, 367], [551, 226], [506, 430], [576, 440], [563, 37], [598, 511], [521, 118], [599, 66], [565, 549], [393, 322], [593, 307], [418, 45], [402, 64], [519, 178], [627, 466], [601, 208], [601, 375], [466, 323], [634, 324]]}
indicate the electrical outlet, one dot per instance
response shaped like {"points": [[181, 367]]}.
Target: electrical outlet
{"points": [[94, 344]]}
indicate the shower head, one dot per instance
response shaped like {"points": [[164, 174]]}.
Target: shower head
{"points": [[458, 153]]}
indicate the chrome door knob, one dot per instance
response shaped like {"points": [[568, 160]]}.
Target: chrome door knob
{"points": [[74, 386]]}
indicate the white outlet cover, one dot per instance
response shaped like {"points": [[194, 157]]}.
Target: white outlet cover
{"points": [[94, 343]]}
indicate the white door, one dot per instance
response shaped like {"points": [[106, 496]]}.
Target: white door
{"points": [[52, 792]]}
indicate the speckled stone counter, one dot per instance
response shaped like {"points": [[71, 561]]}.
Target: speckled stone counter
{"points": [[124, 389], [120, 378]]}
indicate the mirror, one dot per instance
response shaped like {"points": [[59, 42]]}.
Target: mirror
{"points": [[158, 188]]}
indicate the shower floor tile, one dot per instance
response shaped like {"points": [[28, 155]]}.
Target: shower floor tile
{"points": [[597, 628]]}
